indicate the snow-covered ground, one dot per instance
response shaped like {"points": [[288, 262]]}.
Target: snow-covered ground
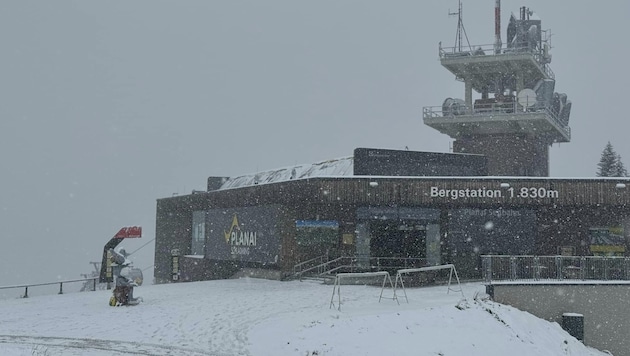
{"points": [[261, 317]]}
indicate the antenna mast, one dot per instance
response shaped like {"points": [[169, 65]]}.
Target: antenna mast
{"points": [[514, 129], [460, 28], [497, 27]]}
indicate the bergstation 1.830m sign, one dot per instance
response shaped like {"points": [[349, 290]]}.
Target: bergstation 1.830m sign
{"points": [[511, 192]]}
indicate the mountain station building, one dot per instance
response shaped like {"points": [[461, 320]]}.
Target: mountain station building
{"points": [[389, 204], [491, 195]]}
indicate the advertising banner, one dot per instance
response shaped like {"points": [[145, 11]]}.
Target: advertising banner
{"points": [[243, 234], [607, 241]]}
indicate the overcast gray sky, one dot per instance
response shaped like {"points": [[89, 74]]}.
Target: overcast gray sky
{"points": [[109, 105]]}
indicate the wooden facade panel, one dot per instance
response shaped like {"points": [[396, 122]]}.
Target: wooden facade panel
{"points": [[458, 192], [423, 191], [565, 208]]}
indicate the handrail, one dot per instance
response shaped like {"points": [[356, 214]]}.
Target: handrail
{"points": [[26, 286], [555, 267], [319, 266], [299, 265], [363, 263], [563, 256], [488, 50], [506, 108]]}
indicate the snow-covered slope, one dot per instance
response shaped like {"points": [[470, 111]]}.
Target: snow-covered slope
{"points": [[262, 317]]}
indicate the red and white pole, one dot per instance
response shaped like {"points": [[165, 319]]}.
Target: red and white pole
{"points": [[497, 27]]}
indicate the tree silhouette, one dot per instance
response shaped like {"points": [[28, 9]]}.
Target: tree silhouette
{"points": [[610, 164]]}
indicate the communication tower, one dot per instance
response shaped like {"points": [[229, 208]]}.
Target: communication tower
{"points": [[516, 114]]}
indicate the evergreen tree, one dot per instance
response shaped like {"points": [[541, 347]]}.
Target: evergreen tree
{"points": [[610, 164], [619, 169]]}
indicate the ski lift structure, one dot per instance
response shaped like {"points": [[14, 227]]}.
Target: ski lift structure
{"points": [[106, 275]]}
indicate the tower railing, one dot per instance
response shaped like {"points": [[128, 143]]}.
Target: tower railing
{"points": [[488, 50], [496, 108], [514, 268]]}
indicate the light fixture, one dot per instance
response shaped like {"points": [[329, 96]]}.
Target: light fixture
{"points": [[505, 185], [373, 184], [620, 186]]}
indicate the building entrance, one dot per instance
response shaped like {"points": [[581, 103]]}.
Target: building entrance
{"points": [[393, 238], [398, 232]]}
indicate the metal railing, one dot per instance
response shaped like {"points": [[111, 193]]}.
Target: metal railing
{"points": [[93, 280], [500, 108], [505, 108], [310, 265], [488, 50], [504, 267], [355, 264]]}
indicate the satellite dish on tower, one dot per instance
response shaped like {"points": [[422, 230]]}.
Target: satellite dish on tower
{"points": [[526, 98]]}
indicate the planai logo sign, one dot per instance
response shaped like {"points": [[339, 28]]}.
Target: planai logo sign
{"points": [[239, 240], [248, 234]]}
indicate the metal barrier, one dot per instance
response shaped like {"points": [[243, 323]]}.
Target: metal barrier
{"points": [[337, 285], [505, 267], [509, 108], [356, 264], [488, 50], [314, 263], [26, 286], [450, 267]]}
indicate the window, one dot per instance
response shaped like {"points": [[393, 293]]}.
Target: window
{"points": [[198, 243], [317, 232]]}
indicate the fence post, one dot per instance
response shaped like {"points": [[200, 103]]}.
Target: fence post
{"points": [[94, 285], [489, 270], [512, 267], [583, 267], [486, 266], [558, 268], [60, 287], [25, 292], [536, 268]]}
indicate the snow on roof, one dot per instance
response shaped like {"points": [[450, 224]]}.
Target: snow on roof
{"points": [[344, 168], [330, 168]]}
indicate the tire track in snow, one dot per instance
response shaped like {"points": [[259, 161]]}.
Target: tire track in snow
{"points": [[122, 347]]}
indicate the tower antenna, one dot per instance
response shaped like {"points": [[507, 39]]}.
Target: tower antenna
{"points": [[497, 27], [514, 129], [460, 28]]}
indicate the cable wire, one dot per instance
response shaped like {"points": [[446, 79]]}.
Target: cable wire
{"points": [[136, 250]]}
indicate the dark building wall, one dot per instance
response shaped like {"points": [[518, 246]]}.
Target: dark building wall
{"points": [[380, 162], [174, 218], [173, 231], [467, 192], [515, 156], [565, 209], [279, 223], [569, 227], [473, 232], [201, 269]]}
